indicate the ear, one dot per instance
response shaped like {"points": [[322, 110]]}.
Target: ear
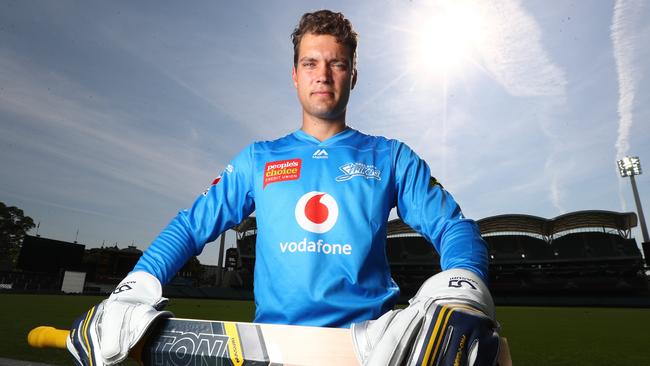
{"points": [[354, 78], [294, 76]]}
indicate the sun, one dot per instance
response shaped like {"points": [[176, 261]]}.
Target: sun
{"points": [[446, 38]]}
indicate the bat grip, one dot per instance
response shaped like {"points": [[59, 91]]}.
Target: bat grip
{"points": [[47, 337]]}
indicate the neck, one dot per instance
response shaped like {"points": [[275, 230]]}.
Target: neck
{"points": [[322, 129]]}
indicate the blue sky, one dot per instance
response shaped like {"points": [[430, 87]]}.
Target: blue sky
{"points": [[115, 115]]}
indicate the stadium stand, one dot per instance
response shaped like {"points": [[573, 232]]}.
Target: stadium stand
{"points": [[29, 282], [41, 264], [586, 254], [44, 255], [581, 253], [412, 260], [536, 250], [570, 247]]}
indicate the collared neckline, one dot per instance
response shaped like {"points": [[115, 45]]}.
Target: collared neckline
{"points": [[304, 136]]}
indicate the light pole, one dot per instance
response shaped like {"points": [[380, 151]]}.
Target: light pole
{"points": [[630, 166]]}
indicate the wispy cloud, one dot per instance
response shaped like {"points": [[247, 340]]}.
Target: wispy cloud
{"points": [[514, 55], [64, 126], [231, 79], [625, 35], [513, 52]]}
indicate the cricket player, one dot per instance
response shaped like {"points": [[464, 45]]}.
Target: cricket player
{"points": [[322, 197]]}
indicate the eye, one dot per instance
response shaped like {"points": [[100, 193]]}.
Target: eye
{"points": [[308, 64]]}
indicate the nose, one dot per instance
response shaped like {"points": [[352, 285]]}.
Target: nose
{"points": [[323, 74]]}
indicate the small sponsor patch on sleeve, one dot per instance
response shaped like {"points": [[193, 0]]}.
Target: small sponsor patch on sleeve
{"points": [[227, 170], [214, 182], [434, 182]]}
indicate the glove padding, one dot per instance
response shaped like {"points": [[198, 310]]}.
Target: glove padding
{"points": [[450, 321], [106, 333]]}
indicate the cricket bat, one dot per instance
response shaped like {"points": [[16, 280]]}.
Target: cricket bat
{"points": [[176, 341]]}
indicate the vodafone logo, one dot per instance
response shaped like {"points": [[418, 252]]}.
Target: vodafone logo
{"points": [[317, 212]]}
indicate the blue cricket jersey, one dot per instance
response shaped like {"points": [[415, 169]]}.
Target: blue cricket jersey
{"points": [[321, 210]]}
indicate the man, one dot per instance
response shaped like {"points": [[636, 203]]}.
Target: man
{"points": [[322, 196]]}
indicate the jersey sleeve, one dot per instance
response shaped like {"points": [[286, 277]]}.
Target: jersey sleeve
{"points": [[223, 205], [423, 204]]}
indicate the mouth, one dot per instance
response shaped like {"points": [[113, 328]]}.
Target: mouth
{"points": [[323, 93]]}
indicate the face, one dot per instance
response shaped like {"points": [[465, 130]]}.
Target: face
{"points": [[323, 77]]}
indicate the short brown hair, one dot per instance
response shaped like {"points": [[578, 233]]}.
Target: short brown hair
{"points": [[325, 22]]}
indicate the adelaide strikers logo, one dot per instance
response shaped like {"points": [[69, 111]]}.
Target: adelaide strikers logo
{"points": [[317, 212]]}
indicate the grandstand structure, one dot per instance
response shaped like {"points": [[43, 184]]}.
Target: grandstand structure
{"points": [[579, 254], [41, 264], [585, 252]]}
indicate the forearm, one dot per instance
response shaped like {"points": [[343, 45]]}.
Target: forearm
{"points": [[169, 251], [461, 246]]}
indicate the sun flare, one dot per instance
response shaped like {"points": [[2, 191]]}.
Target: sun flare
{"points": [[446, 38]]}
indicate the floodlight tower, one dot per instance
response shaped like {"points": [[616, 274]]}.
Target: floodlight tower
{"points": [[630, 166]]}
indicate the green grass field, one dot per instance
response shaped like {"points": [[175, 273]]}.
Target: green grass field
{"points": [[537, 335]]}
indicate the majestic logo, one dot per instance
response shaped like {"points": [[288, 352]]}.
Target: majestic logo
{"points": [[317, 212], [351, 170], [320, 154], [281, 170]]}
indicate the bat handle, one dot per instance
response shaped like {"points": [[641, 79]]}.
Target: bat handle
{"points": [[50, 337], [47, 337]]}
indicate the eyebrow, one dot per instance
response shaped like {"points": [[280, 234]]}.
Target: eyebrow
{"points": [[310, 58]]}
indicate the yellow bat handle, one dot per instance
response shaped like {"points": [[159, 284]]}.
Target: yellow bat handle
{"points": [[50, 337], [47, 337]]}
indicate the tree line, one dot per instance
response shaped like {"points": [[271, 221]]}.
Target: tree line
{"points": [[14, 225]]}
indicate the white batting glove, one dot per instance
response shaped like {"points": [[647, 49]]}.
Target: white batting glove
{"points": [[450, 321], [106, 333]]}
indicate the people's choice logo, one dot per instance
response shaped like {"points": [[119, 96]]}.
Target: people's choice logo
{"points": [[317, 212]]}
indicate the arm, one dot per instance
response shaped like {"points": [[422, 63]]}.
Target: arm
{"points": [[225, 204], [105, 334], [450, 321], [429, 209]]}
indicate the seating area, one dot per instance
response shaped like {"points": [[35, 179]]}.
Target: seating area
{"points": [[580, 253], [411, 250], [576, 263], [29, 281]]}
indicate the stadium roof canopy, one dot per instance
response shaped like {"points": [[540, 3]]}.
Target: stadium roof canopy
{"points": [[590, 219]]}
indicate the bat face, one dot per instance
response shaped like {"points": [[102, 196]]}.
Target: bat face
{"points": [[192, 342], [187, 342]]}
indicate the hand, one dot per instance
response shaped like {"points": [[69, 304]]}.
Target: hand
{"points": [[105, 334], [450, 321]]}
